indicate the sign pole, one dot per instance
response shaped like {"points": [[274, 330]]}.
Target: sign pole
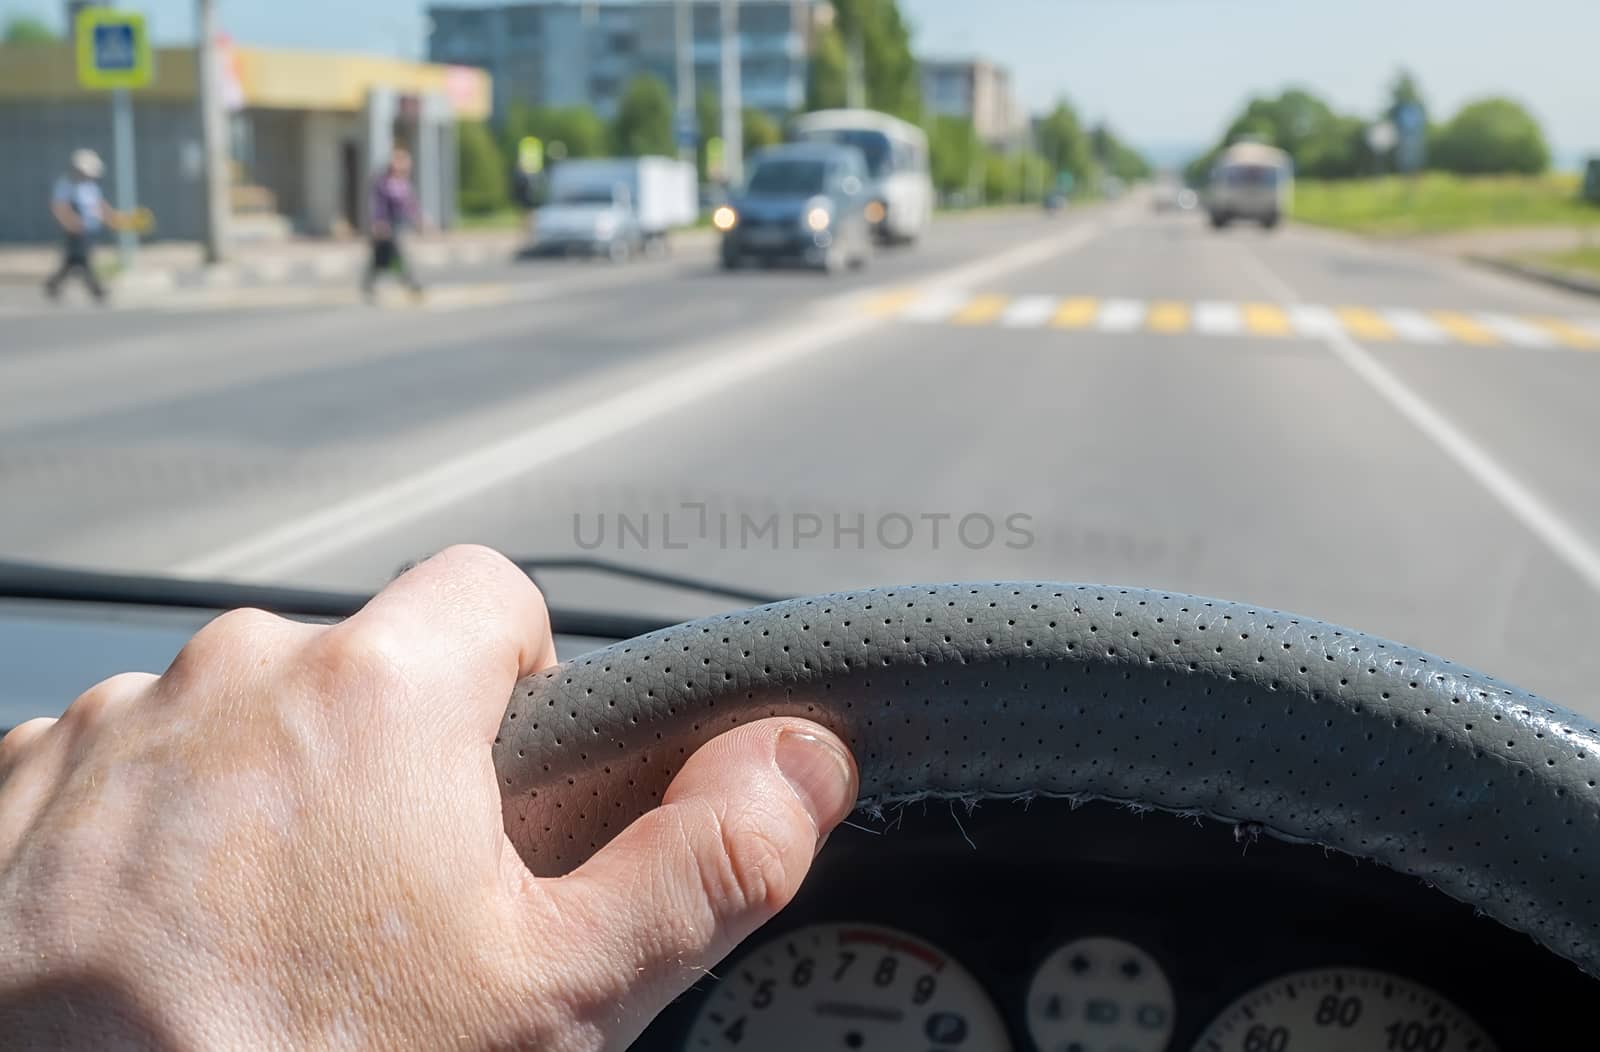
{"points": [[126, 169]]}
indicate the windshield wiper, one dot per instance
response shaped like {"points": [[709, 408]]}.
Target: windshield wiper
{"points": [[533, 565]]}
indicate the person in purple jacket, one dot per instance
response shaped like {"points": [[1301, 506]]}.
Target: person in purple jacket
{"points": [[392, 206]]}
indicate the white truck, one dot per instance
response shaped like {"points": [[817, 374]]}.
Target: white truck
{"points": [[614, 207]]}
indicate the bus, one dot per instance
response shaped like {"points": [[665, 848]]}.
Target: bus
{"points": [[1253, 181], [896, 151]]}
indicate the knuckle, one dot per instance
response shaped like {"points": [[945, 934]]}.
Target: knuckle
{"points": [[92, 705], [358, 652], [748, 872], [223, 639], [17, 740]]}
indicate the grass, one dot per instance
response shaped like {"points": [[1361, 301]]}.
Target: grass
{"points": [[1439, 203], [1585, 259]]}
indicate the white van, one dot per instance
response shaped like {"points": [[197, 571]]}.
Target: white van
{"points": [[614, 207], [901, 203], [1250, 181]]}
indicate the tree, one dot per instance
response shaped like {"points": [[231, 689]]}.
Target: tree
{"points": [[953, 154], [1490, 136], [1116, 157], [644, 118], [890, 74], [827, 74], [759, 130], [481, 169], [578, 129], [1338, 151], [25, 29], [1063, 144], [999, 178]]}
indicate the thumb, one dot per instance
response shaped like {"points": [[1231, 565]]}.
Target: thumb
{"points": [[727, 849]]}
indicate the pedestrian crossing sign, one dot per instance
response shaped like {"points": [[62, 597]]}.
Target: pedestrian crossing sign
{"points": [[113, 49]]}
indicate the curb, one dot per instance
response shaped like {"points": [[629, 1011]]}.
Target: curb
{"points": [[340, 262], [1560, 279]]}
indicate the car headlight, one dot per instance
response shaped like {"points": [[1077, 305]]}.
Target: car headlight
{"points": [[605, 225], [724, 218], [818, 218]]}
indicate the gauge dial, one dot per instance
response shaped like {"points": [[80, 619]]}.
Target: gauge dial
{"points": [[847, 987], [1334, 1009], [1100, 995]]}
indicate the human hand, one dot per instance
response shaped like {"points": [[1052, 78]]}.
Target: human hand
{"points": [[293, 838]]}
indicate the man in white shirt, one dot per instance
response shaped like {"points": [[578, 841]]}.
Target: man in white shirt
{"points": [[81, 209]]}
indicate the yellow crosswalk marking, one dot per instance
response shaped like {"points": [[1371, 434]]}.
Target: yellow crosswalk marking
{"points": [[1075, 313], [1264, 319], [886, 304], [980, 309], [1569, 334], [1168, 316], [1364, 324], [1463, 328]]}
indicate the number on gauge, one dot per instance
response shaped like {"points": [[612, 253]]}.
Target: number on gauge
{"points": [[1334, 1009], [847, 987], [1100, 995]]}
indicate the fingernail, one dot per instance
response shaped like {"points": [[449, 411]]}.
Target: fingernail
{"points": [[821, 775]]}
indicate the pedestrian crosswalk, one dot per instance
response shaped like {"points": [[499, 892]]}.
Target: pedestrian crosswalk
{"points": [[1216, 318]]}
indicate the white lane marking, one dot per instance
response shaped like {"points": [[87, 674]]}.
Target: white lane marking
{"points": [[1311, 320], [1217, 319], [1516, 331], [1120, 315], [935, 306], [1414, 326], [320, 534], [1027, 312], [1526, 506]]}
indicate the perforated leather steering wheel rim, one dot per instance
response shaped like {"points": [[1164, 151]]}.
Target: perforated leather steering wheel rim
{"points": [[1307, 730]]}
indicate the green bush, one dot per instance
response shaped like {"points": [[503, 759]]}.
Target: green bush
{"points": [[644, 119], [1491, 136], [481, 170]]}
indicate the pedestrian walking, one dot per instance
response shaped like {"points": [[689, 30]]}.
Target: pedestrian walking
{"points": [[392, 207], [82, 212]]}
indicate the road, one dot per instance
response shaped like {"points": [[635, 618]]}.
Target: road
{"points": [[1294, 419]]}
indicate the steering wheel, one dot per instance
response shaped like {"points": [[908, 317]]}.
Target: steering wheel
{"points": [[1301, 729]]}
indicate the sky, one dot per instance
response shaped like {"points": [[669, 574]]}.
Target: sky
{"points": [[1167, 74]]}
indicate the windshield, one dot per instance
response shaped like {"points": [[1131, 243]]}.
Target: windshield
{"points": [[874, 146], [585, 195], [1288, 303], [787, 177], [1250, 175]]}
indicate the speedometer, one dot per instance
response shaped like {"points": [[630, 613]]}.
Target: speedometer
{"points": [[847, 987], [1335, 1009]]}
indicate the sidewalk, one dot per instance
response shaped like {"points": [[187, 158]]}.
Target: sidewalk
{"points": [[167, 265]]}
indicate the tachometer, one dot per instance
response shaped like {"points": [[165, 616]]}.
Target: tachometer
{"points": [[1100, 994], [1335, 1009], [847, 987]]}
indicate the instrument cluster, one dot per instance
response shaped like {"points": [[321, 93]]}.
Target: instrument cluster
{"points": [[1093, 929]]}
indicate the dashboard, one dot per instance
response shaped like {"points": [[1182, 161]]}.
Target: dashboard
{"points": [[1052, 928]]}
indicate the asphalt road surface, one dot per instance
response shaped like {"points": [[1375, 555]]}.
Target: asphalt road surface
{"points": [[1293, 419]]}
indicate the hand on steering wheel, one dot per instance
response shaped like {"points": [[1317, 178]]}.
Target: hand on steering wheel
{"points": [[294, 837]]}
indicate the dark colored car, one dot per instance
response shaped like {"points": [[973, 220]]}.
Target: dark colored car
{"points": [[802, 202]]}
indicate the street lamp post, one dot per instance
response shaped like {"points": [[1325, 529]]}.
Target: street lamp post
{"points": [[683, 24], [732, 107], [213, 134]]}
